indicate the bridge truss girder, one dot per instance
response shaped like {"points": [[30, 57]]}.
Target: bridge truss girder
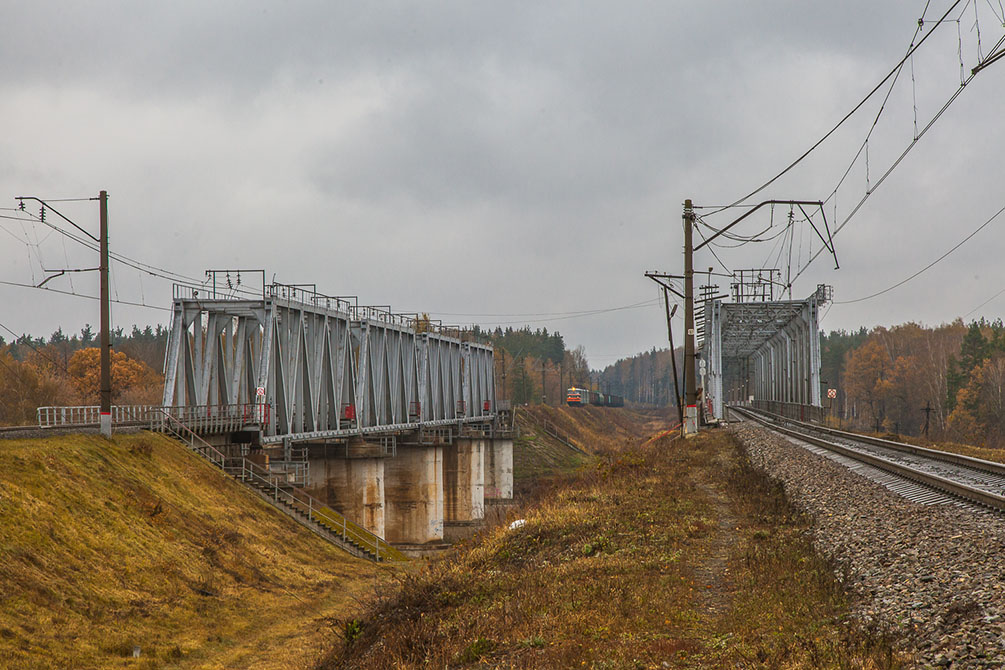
{"points": [[769, 350], [312, 362]]}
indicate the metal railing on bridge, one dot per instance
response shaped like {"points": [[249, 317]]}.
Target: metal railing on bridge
{"points": [[792, 410], [204, 419]]}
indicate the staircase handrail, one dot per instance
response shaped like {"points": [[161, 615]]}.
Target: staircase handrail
{"points": [[298, 498]]}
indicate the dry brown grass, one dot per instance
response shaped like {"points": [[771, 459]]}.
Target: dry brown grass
{"points": [[672, 555], [107, 545]]}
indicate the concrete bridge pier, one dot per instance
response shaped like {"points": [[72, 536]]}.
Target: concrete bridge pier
{"points": [[463, 488], [413, 496], [498, 480], [350, 480], [499, 469]]}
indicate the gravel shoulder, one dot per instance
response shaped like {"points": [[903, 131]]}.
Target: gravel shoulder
{"points": [[934, 576]]}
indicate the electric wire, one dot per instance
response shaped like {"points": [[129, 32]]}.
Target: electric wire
{"points": [[6, 282], [871, 188], [927, 267], [984, 303], [27, 341], [640, 305], [714, 255], [898, 161], [513, 314], [140, 266], [913, 48]]}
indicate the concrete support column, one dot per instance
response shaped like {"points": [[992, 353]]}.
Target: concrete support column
{"points": [[464, 480], [499, 469], [413, 495], [353, 487]]}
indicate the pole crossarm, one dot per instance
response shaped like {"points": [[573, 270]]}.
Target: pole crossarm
{"points": [[45, 204], [827, 239], [659, 278]]}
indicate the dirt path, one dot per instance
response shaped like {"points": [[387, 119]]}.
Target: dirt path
{"points": [[668, 553]]}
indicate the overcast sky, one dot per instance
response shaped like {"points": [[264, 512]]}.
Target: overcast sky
{"points": [[497, 162]]}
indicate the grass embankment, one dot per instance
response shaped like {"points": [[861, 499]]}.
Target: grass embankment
{"points": [[107, 545], [675, 554], [538, 454]]}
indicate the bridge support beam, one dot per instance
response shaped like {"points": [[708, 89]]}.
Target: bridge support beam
{"points": [[463, 487], [413, 495]]}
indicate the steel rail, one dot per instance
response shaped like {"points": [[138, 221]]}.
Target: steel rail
{"points": [[944, 484], [934, 454]]}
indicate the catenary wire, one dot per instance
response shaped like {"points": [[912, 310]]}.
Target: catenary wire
{"points": [[893, 72], [897, 162], [927, 267], [81, 295], [647, 303], [573, 313]]}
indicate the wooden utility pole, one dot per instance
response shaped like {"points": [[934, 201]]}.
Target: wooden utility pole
{"points": [[544, 389], [106, 342], [673, 356], [927, 409], [503, 352], [690, 426]]}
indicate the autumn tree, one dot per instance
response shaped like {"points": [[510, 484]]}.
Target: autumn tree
{"points": [[867, 371], [133, 381], [24, 388], [973, 351]]}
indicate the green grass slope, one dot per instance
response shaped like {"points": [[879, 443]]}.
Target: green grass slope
{"points": [[107, 545]]}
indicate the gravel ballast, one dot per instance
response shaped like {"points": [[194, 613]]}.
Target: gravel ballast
{"points": [[933, 575]]}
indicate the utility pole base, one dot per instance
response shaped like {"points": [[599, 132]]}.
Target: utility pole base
{"points": [[691, 421], [106, 424]]}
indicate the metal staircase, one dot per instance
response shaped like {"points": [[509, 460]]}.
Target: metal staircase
{"points": [[287, 498]]}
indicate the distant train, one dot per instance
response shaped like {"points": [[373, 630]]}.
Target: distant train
{"points": [[577, 397]]}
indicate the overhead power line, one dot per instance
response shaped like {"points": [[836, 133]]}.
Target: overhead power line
{"points": [[577, 315], [985, 302], [31, 345], [898, 161], [927, 267], [81, 295], [512, 314], [893, 72], [137, 265]]}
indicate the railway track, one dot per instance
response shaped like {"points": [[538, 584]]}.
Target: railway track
{"points": [[17, 432], [924, 475]]}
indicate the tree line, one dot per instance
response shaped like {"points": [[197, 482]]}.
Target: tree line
{"points": [[532, 366], [645, 378], [950, 378], [64, 370]]}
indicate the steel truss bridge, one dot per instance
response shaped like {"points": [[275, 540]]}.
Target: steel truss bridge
{"points": [[767, 350], [299, 366]]}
